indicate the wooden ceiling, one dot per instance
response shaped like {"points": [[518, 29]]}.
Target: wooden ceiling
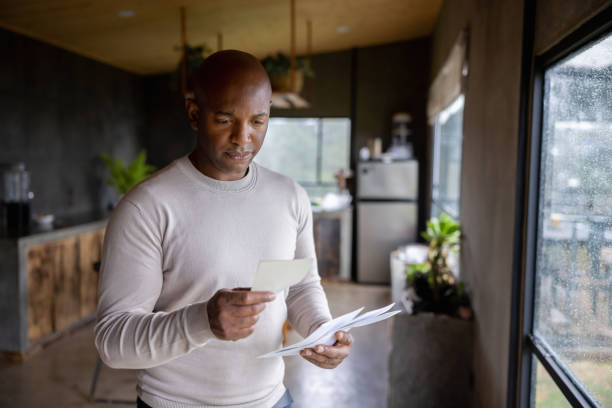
{"points": [[145, 43]]}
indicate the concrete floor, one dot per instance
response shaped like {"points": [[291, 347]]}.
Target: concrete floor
{"points": [[60, 375]]}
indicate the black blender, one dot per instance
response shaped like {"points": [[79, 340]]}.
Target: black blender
{"points": [[16, 198]]}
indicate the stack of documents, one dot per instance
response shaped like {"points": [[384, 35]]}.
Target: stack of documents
{"points": [[326, 333]]}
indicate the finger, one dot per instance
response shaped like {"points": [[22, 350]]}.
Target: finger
{"points": [[242, 289], [337, 351], [241, 333], [344, 338], [243, 298], [245, 311], [323, 363], [245, 322], [312, 356]]}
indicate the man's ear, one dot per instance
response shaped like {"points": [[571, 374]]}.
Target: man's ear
{"points": [[193, 113]]}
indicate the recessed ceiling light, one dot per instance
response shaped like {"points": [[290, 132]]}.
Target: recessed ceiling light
{"points": [[342, 29], [126, 13]]}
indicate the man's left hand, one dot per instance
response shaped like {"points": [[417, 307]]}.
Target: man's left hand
{"points": [[330, 356]]}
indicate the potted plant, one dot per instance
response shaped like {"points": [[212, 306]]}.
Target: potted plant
{"points": [[431, 358], [279, 70], [123, 177], [432, 287]]}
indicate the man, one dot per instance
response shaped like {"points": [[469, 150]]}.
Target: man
{"points": [[179, 242]]}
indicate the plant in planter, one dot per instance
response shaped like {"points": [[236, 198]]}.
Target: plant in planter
{"points": [[431, 357], [432, 286], [279, 69], [123, 177]]}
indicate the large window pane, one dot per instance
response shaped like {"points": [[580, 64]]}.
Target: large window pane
{"points": [[335, 144], [448, 136], [547, 394], [290, 148], [573, 303]]}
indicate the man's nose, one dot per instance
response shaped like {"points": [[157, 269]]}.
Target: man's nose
{"points": [[241, 134]]}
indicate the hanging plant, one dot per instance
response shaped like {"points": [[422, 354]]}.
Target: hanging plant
{"points": [[279, 70], [195, 56]]}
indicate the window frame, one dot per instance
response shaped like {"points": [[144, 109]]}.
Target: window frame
{"points": [[435, 162], [530, 345], [319, 158]]}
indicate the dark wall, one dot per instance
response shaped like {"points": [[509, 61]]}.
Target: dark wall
{"points": [[329, 92], [58, 112], [555, 19], [167, 132], [393, 78]]}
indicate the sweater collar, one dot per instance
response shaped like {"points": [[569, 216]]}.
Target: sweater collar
{"points": [[243, 184]]}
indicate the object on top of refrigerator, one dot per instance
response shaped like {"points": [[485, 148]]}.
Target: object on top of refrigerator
{"points": [[401, 146]]}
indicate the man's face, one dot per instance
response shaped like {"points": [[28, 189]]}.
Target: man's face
{"points": [[231, 123]]}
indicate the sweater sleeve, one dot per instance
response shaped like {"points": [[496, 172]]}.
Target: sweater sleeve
{"points": [[129, 333], [307, 306]]}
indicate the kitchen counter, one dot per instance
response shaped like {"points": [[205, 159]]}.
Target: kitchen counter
{"points": [[63, 226], [48, 281]]}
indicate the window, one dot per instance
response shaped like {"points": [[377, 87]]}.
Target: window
{"points": [[446, 177], [568, 304], [309, 150]]}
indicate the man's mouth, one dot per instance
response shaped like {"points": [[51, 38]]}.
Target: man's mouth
{"points": [[238, 155]]}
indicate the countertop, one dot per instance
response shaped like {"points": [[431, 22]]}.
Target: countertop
{"points": [[62, 227]]}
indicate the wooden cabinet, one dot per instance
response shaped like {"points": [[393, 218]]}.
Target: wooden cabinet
{"points": [[48, 284], [62, 283]]}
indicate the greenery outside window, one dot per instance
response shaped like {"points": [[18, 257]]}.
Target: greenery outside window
{"points": [[309, 150]]}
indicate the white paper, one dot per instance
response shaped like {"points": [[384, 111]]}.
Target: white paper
{"points": [[277, 275], [326, 333]]}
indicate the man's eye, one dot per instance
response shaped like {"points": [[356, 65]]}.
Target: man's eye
{"points": [[222, 121], [259, 122]]}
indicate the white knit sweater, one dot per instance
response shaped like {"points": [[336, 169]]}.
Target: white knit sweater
{"points": [[171, 243]]}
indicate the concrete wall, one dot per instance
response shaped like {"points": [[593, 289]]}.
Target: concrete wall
{"points": [[58, 112], [555, 19], [329, 92], [167, 132], [490, 132]]}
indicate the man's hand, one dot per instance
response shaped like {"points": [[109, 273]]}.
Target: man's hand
{"points": [[330, 356], [233, 313]]}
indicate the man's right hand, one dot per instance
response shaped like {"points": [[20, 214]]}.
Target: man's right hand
{"points": [[233, 313]]}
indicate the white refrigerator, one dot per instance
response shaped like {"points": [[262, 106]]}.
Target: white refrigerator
{"points": [[387, 215]]}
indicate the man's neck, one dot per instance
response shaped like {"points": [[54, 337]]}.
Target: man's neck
{"points": [[206, 167]]}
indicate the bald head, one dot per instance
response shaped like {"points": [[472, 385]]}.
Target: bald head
{"points": [[228, 68], [230, 113]]}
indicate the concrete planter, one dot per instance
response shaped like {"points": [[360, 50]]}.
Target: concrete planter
{"points": [[430, 362]]}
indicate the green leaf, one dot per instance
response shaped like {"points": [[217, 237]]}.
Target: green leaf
{"points": [[124, 178]]}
